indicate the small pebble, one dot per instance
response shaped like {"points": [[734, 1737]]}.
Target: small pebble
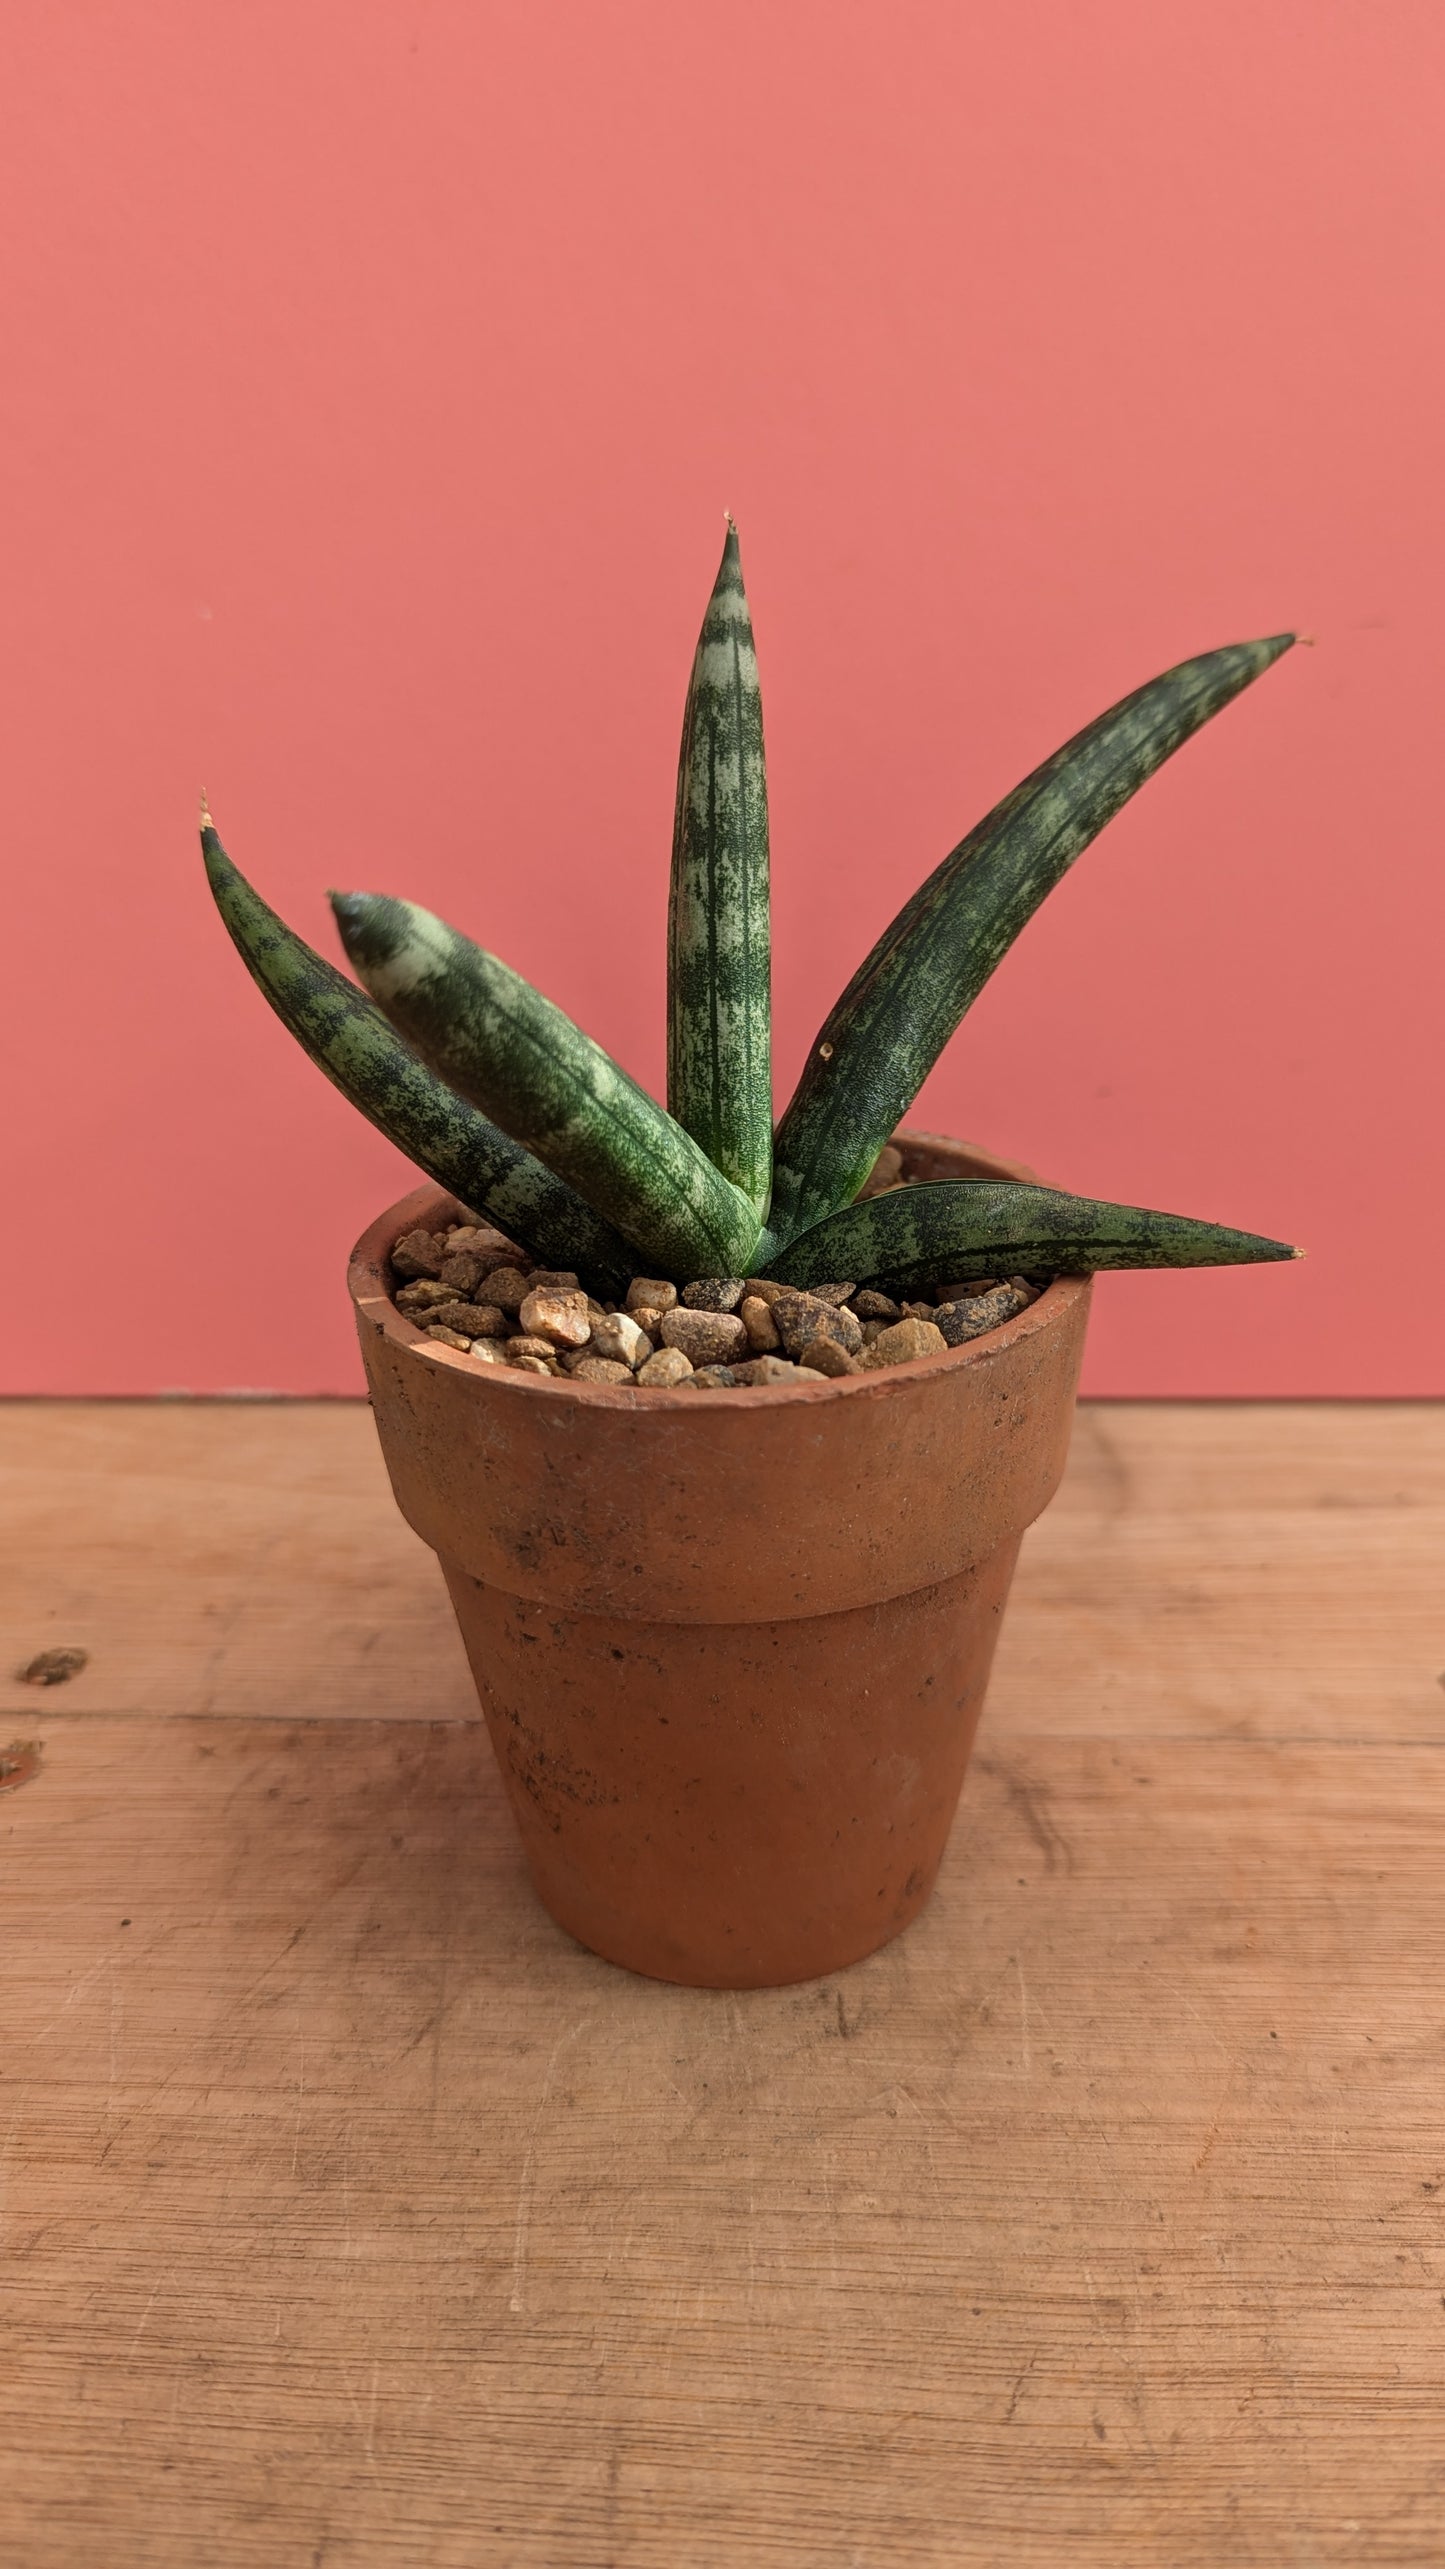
{"points": [[668, 1367], [463, 1270], [488, 1352], [875, 1306], [705, 1337], [801, 1317], [874, 1329], [648, 1321], [425, 1294], [448, 1338], [557, 1313], [1025, 1286], [524, 1344], [904, 1341], [758, 1321], [852, 1327], [479, 1240], [765, 1369], [530, 1365], [619, 1339], [553, 1280], [960, 1321], [917, 1311], [712, 1378], [420, 1253], [834, 1293], [651, 1292], [473, 1319], [599, 1369], [963, 1292], [713, 1293], [493, 1322], [508, 1288], [762, 1289], [825, 1356]]}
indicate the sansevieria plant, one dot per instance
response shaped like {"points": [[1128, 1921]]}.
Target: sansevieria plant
{"points": [[501, 1098]]}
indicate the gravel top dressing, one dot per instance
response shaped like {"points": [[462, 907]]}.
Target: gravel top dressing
{"points": [[470, 1288]]}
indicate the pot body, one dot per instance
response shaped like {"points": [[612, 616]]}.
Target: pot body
{"points": [[731, 1647]]}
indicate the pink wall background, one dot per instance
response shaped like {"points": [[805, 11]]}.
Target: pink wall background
{"points": [[376, 373]]}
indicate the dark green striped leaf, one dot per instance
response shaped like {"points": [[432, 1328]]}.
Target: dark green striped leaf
{"points": [[497, 1041], [921, 1236], [349, 1039], [869, 1061], [719, 994]]}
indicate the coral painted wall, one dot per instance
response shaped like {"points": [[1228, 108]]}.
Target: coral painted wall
{"points": [[376, 374]]}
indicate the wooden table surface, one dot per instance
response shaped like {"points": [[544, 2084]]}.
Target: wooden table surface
{"points": [[353, 2216]]}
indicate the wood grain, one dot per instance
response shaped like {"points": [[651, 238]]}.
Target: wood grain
{"points": [[1205, 1567], [353, 2217], [295, 1582]]}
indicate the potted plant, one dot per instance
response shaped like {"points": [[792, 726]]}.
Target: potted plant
{"points": [[725, 1435]]}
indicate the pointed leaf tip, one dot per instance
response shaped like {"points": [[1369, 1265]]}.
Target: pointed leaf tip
{"points": [[910, 1235], [371, 926], [719, 998], [351, 1040], [923, 974]]}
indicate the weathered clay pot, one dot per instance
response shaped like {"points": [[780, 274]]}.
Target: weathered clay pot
{"points": [[732, 1647]]}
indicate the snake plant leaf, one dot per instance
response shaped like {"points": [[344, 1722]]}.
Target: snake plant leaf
{"points": [[719, 988], [919, 1236], [870, 1059], [349, 1039], [496, 1040]]}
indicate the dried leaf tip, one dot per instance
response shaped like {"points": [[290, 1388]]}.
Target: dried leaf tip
{"points": [[206, 821]]}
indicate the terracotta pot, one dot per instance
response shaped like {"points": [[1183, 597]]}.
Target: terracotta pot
{"points": [[731, 1647]]}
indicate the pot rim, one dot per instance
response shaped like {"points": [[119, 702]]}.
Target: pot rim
{"points": [[368, 1285]]}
